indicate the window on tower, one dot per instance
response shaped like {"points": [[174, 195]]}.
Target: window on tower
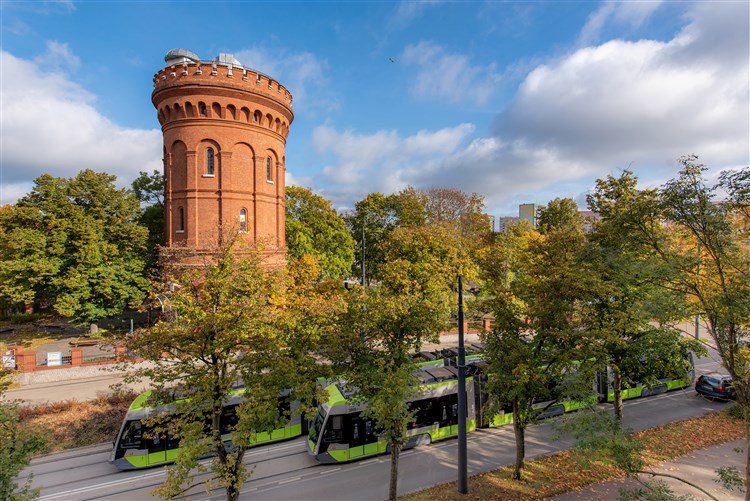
{"points": [[210, 162], [269, 171], [243, 220], [182, 221]]}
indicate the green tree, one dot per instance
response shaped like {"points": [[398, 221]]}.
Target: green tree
{"points": [[75, 243], [628, 312], [536, 285], [233, 319], [313, 227], [379, 215], [149, 190], [17, 446], [408, 307], [710, 255]]}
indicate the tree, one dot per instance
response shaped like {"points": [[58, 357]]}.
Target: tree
{"points": [[233, 319], [313, 227], [377, 216], [536, 284], [408, 307], [17, 446], [709, 253], [75, 243], [629, 313], [149, 190]]}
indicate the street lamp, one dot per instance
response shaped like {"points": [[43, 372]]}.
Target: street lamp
{"points": [[463, 486]]}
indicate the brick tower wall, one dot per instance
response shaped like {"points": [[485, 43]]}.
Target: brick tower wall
{"points": [[240, 118]]}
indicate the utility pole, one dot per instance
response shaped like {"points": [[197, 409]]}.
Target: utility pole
{"points": [[463, 484]]}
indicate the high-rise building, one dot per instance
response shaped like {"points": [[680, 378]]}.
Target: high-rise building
{"points": [[529, 212], [224, 127]]}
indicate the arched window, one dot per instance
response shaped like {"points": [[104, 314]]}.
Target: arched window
{"points": [[269, 172], [210, 162], [243, 220], [182, 220]]}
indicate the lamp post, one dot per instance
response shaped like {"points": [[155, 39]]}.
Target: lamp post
{"points": [[463, 486]]}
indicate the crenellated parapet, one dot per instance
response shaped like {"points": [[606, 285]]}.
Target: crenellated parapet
{"points": [[222, 89]]}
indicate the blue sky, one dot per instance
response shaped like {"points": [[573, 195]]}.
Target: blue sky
{"points": [[519, 101]]}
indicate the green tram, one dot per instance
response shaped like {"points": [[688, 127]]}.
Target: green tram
{"points": [[638, 388], [339, 433], [137, 446]]}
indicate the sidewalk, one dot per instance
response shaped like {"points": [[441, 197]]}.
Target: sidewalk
{"points": [[698, 467]]}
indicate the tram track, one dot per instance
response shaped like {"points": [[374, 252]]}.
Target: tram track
{"points": [[147, 480]]}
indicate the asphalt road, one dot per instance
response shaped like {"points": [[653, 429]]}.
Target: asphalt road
{"points": [[285, 471]]}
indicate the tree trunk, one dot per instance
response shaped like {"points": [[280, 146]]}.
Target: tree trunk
{"points": [[393, 488], [617, 390], [518, 429]]}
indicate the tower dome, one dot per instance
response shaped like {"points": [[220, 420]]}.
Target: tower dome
{"points": [[224, 128]]}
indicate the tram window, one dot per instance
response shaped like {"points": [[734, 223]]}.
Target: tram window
{"points": [[229, 419], [368, 428], [154, 441], [334, 433], [455, 410], [132, 436]]}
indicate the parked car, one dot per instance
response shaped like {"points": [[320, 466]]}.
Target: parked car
{"points": [[716, 386]]}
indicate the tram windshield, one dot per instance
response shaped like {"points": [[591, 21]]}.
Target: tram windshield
{"points": [[317, 425]]}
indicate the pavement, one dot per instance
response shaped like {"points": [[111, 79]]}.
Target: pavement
{"points": [[698, 467]]}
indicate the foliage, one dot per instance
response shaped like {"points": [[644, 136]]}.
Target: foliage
{"points": [[75, 243], [445, 211], [536, 283], [377, 216], [407, 308], [149, 190], [628, 311], [314, 228], [228, 322], [17, 445], [730, 478], [707, 255]]}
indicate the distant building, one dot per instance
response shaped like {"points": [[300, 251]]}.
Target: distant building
{"points": [[504, 223], [529, 212], [589, 219], [224, 128]]}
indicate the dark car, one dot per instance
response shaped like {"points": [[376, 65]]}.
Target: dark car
{"points": [[716, 386]]}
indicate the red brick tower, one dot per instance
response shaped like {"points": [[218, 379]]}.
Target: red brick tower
{"points": [[225, 128]]}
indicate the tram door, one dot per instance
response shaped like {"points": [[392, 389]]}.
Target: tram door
{"points": [[157, 447]]}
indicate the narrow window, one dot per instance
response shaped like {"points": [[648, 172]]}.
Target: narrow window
{"points": [[269, 178], [210, 162], [243, 220], [203, 111], [182, 219]]}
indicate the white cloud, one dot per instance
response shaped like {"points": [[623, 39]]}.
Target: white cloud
{"points": [[381, 161], [302, 73], [629, 14], [58, 57], [408, 10], [451, 77], [50, 124], [582, 116]]}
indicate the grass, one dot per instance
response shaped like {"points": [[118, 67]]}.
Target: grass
{"points": [[559, 473], [71, 423]]}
